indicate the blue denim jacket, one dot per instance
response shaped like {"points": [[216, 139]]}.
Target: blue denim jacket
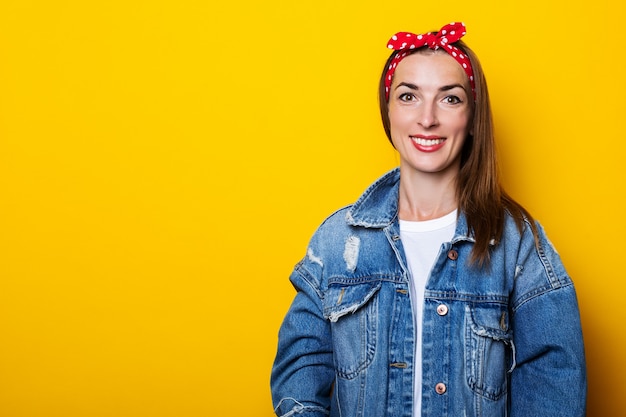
{"points": [[501, 341]]}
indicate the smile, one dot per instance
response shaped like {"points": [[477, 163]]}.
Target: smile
{"points": [[427, 142]]}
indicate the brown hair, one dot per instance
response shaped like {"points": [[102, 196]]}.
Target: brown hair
{"points": [[481, 196]]}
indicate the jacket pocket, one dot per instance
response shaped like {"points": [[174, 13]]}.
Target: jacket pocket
{"points": [[488, 350], [352, 311]]}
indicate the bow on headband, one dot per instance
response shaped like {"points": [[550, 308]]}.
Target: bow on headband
{"points": [[404, 42]]}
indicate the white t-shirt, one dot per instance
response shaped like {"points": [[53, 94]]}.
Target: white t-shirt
{"points": [[422, 242]]}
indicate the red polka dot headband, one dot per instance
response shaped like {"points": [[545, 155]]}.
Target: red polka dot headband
{"points": [[404, 42]]}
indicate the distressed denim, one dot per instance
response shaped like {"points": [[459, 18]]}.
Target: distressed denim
{"points": [[500, 341]]}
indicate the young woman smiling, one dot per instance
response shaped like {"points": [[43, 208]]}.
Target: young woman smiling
{"points": [[435, 293]]}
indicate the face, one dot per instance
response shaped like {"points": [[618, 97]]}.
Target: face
{"points": [[429, 113]]}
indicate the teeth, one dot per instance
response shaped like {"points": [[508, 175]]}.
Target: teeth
{"points": [[427, 142]]}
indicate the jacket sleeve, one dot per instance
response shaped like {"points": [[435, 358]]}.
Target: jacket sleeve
{"points": [[549, 377], [303, 371]]}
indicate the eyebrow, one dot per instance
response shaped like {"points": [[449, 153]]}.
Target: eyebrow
{"points": [[443, 88]]}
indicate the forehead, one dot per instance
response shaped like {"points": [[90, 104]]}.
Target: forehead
{"points": [[432, 66]]}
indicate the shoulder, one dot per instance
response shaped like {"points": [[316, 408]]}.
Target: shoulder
{"points": [[325, 250], [332, 232], [355, 228], [529, 235], [539, 268]]}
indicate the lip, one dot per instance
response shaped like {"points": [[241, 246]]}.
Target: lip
{"points": [[431, 137], [427, 143]]}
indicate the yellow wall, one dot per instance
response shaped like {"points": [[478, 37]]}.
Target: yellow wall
{"points": [[164, 163]]}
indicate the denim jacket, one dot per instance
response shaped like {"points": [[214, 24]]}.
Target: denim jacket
{"points": [[499, 341]]}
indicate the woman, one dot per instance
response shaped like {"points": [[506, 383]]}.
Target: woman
{"points": [[435, 294]]}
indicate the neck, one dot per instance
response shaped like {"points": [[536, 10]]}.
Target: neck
{"points": [[426, 197]]}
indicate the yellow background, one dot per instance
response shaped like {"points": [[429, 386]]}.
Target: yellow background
{"points": [[164, 163]]}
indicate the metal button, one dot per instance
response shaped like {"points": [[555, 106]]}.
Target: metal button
{"points": [[453, 255], [442, 309], [441, 388]]}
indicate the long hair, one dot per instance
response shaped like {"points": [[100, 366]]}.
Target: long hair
{"points": [[479, 191]]}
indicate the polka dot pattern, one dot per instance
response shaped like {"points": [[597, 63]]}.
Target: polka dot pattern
{"points": [[404, 42]]}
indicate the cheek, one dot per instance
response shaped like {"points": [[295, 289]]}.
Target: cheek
{"points": [[460, 125], [397, 119], [396, 128]]}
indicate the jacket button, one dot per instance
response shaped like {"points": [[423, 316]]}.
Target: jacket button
{"points": [[442, 309], [453, 255], [441, 388]]}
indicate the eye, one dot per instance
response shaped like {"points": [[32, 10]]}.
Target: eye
{"points": [[406, 97], [452, 100]]}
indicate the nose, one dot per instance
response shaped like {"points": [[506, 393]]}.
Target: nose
{"points": [[427, 115]]}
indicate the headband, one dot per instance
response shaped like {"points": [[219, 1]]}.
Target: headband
{"points": [[404, 42]]}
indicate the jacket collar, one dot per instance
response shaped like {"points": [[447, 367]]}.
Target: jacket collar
{"points": [[378, 207]]}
